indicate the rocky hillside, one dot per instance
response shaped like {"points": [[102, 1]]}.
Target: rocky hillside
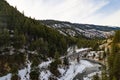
{"points": [[85, 30]]}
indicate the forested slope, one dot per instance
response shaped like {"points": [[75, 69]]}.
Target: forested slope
{"points": [[21, 36]]}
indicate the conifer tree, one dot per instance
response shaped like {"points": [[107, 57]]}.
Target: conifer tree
{"points": [[114, 58]]}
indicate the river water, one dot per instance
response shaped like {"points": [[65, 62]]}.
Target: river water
{"points": [[89, 70]]}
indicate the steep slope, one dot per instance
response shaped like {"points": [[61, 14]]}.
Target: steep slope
{"points": [[24, 39], [86, 30], [16, 26], [25, 43]]}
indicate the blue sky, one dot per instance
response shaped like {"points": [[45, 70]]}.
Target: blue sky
{"points": [[101, 12], [111, 7]]}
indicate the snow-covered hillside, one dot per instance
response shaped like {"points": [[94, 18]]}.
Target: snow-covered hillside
{"points": [[85, 30]]}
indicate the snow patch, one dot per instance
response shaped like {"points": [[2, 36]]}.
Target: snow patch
{"points": [[24, 73], [44, 64], [81, 49], [7, 77], [44, 75], [74, 69]]}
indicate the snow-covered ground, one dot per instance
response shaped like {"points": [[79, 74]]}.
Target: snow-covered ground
{"points": [[89, 76], [23, 74], [45, 64], [7, 77], [66, 74], [44, 75], [74, 69], [44, 72], [81, 49]]}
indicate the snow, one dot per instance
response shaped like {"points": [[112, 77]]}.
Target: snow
{"points": [[61, 70], [44, 75], [24, 73], [89, 76], [74, 69], [86, 63], [62, 32], [66, 73], [81, 49], [70, 50], [7, 77], [45, 64]]}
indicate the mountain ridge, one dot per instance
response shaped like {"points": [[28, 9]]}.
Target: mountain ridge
{"points": [[77, 29], [78, 23]]}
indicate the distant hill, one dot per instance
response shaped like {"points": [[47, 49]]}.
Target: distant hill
{"points": [[85, 30]]}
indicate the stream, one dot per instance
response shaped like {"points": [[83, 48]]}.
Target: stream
{"points": [[96, 68]]}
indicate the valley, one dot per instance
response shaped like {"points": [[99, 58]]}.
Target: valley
{"points": [[33, 49]]}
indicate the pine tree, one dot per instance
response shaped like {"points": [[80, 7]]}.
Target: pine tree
{"points": [[104, 75], [34, 75], [15, 77], [96, 77], [116, 67], [54, 64], [114, 58], [117, 37], [66, 62], [4, 38]]}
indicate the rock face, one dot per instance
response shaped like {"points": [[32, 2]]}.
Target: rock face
{"points": [[81, 30]]}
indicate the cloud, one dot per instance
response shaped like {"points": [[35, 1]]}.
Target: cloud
{"points": [[58, 9], [113, 19], [80, 11]]}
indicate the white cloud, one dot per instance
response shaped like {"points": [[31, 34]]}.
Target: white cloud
{"points": [[101, 19], [113, 19], [81, 11], [62, 10]]}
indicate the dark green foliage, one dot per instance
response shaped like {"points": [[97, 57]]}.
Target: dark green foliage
{"points": [[57, 58], [34, 75], [40, 45], [114, 58], [21, 32], [78, 59], [54, 68], [31, 33], [66, 62], [117, 37], [104, 55], [14, 69], [11, 63], [35, 59], [15, 77], [54, 65], [116, 67], [114, 78], [94, 44], [104, 75], [4, 38], [19, 40], [96, 77]]}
